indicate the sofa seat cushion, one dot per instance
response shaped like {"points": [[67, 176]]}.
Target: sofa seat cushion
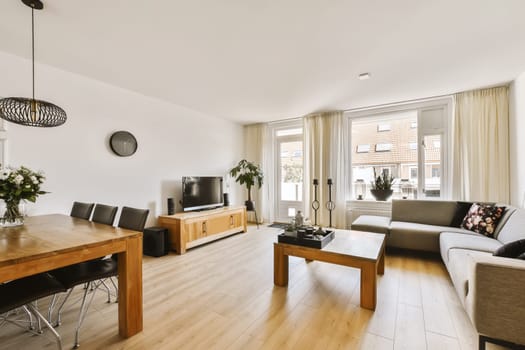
{"points": [[458, 270], [410, 235], [455, 240], [371, 223]]}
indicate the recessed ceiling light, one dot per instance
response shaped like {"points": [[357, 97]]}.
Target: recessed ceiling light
{"points": [[364, 76]]}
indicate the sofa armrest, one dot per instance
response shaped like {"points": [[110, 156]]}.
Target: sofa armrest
{"points": [[495, 300]]}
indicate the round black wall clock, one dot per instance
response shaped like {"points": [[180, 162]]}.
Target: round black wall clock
{"points": [[123, 143]]}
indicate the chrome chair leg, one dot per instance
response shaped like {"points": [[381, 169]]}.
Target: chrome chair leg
{"points": [[43, 319], [30, 316], [51, 307], [108, 291], [83, 312], [116, 289], [59, 312]]}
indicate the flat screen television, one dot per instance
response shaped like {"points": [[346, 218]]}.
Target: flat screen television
{"points": [[201, 192]]}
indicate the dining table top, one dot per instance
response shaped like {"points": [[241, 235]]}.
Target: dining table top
{"points": [[47, 235]]}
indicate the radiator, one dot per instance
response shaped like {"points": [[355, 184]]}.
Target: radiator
{"points": [[357, 208]]}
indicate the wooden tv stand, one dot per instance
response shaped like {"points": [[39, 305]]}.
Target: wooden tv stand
{"points": [[194, 228]]}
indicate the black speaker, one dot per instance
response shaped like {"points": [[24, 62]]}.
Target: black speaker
{"points": [[156, 241], [171, 206], [226, 200]]}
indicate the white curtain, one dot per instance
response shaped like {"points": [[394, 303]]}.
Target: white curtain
{"points": [[255, 146], [325, 159], [481, 145]]}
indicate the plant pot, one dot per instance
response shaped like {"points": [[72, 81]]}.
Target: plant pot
{"points": [[250, 205], [381, 195]]}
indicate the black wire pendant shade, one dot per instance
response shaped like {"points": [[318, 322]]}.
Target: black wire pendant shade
{"points": [[29, 111]]}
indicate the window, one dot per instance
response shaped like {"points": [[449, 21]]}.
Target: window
{"points": [[413, 173], [363, 148], [383, 147], [414, 149], [383, 127], [298, 153], [289, 132]]}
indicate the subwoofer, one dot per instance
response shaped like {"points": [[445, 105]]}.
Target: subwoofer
{"points": [[156, 241]]}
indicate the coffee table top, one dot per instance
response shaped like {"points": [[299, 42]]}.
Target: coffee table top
{"points": [[359, 244]]}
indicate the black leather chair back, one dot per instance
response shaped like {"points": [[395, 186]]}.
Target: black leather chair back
{"points": [[82, 210], [104, 214], [133, 219]]}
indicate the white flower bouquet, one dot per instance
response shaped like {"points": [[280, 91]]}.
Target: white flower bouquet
{"points": [[17, 185]]}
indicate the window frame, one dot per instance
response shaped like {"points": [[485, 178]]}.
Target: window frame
{"points": [[421, 106], [361, 151]]}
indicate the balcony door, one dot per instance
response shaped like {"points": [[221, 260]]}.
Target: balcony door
{"points": [[289, 173]]}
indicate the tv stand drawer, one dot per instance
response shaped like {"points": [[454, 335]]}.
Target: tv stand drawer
{"points": [[195, 228]]}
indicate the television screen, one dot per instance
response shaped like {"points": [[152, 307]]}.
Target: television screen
{"points": [[201, 192]]}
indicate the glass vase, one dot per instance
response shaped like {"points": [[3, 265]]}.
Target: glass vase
{"points": [[13, 214]]}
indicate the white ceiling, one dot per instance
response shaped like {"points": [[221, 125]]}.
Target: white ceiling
{"points": [[252, 61]]}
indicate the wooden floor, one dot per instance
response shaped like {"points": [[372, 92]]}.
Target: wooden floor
{"points": [[221, 296]]}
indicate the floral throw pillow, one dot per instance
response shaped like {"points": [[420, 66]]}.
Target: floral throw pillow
{"points": [[483, 218]]}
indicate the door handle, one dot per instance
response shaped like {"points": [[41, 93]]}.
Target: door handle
{"points": [[204, 228]]}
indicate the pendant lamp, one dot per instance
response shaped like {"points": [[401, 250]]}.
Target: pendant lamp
{"points": [[30, 111]]}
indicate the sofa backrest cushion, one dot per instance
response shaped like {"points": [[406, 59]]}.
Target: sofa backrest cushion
{"points": [[512, 226], [427, 212], [462, 209]]}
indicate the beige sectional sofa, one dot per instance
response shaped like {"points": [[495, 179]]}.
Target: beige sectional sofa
{"points": [[491, 288]]}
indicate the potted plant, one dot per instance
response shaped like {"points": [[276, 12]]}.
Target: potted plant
{"points": [[248, 174], [382, 186]]}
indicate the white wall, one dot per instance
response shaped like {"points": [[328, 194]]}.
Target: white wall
{"points": [[172, 142], [517, 141]]}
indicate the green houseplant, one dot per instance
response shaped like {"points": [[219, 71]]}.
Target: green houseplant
{"points": [[382, 186], [248, 174]]}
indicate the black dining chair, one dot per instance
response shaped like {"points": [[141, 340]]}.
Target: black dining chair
{"points": [[94, 272], [133, 219], [82, 210], [104, 214], [24, 291]]}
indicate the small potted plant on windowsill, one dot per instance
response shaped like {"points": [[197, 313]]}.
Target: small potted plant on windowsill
{"points": [[382, 186], [248, 174]]}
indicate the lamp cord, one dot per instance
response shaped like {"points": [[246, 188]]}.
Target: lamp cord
{"points": [[33, 47]]}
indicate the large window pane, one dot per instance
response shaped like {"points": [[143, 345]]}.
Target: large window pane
{"points": [[291, 171], [394, 150], [432, 165]]}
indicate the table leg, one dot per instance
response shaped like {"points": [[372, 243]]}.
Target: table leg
{"points": [[280, 266], [130, 288], [381, 263], [368, 285]]}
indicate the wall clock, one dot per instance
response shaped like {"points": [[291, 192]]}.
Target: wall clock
{"points": [[123, 143]]}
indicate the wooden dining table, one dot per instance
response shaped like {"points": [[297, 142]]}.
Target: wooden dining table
{"points": [[47, 242]]}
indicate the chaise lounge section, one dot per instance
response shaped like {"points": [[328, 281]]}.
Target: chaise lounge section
{"points": [[490, 287]]}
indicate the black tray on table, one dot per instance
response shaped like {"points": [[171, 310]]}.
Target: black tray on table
{"points": [[318, 240]]}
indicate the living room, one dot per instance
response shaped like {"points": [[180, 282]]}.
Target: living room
{"points": [[194, 83]]}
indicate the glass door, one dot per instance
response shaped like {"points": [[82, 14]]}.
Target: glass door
{"points": [[289, 174]]}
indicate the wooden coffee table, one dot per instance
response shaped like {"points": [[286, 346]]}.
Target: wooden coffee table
{"points": [[362, 250]]}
